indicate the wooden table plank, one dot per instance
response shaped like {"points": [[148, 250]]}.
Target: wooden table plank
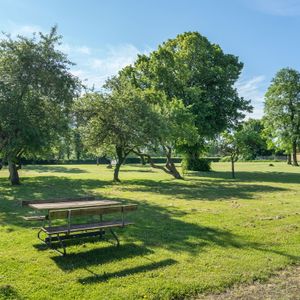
{"points": [[72, 204]]}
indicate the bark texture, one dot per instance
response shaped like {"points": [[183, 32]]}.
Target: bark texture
{"points": [[13, 173]]}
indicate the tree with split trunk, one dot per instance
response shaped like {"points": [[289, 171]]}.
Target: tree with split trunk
{"points": [[282, 112], [36, 93], [117, 122], [177, 128]]}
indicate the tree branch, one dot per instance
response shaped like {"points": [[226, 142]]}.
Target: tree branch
{"points": [[149, 158]]}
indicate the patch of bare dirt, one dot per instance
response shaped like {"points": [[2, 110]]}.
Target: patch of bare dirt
{"points": [[285, 285]]}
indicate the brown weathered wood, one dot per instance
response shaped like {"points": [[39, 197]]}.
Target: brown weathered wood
{"points": [[34, 218], [64, 214], [85, 198], [72, 204], [84, 227]]}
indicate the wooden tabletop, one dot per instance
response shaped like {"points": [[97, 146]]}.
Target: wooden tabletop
{"points": [[72, 204]]}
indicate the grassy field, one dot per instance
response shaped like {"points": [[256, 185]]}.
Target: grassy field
{"points": [[201, 234]]}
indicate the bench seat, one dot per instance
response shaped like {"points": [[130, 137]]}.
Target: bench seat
{"points": [[84, 227]]}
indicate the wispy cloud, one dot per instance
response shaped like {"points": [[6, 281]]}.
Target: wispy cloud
{"points": [[253, 89], [25, 30], [96, 65], [276, 7]]}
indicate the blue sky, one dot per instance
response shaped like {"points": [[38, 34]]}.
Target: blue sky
{"points": [[103, 36]]}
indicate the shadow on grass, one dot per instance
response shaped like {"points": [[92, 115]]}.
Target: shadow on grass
{"points": [[56, 187], [138, 170], [95, 278], [99, 256], [199, 189], [242, 176], [156, 226], [9, 292], [53, 168]]}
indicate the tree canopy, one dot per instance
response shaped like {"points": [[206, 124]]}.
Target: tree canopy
{"points": [[132, 120], [202, 76], [282, 111], [36, 94]]}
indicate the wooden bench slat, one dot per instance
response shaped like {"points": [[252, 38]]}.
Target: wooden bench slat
{"points": [[63, 214], [85, 198], [83, 227]]}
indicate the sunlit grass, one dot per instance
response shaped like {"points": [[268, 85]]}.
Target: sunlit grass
{"points": [[204, 233]]}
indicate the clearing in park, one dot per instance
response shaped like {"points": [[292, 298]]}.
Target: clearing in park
{"points": [[202, 234]]}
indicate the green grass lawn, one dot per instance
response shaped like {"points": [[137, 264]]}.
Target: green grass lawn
{"points": [[204, 233]]}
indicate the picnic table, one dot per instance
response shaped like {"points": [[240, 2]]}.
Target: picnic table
{"points": [[72, 204], [67, 209]]}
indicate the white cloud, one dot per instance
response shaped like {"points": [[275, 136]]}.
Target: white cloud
{"points": [[253, 89], [84, 50], [277, 7], [115, 59], [25, 30], [104, 63], [93, 65]]}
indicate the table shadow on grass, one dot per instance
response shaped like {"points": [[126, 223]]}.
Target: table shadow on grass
{"points": [[99, 256], [96, 278]]}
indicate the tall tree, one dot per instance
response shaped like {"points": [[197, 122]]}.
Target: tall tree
{"points": [[282, 110], [36, 92], [192, 69]]}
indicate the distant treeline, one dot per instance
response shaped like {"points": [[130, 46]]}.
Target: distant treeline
{"points": [[103, 161], [133, 160]]}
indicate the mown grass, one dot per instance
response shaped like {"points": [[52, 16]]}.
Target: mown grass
{"points": [[204, 233]]}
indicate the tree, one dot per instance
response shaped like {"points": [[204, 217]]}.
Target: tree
{"points": [[252, 139], [122, 120], [229, 145], [36, 93], [134, 120], [176, 128], [282, 111], [197, 72]]}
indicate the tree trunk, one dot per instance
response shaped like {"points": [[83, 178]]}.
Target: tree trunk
{"points": [[143, 161], [295, 162], [78, 154], [289, 159], [170, 164], [116, 172], [121, 156], [232, 167], [170, 167], [13, 173]]}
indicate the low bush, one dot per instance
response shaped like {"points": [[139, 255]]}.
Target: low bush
{"points": [[200, 164]]}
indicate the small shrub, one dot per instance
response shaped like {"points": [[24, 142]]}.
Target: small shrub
{"points": [[200, 164]]}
